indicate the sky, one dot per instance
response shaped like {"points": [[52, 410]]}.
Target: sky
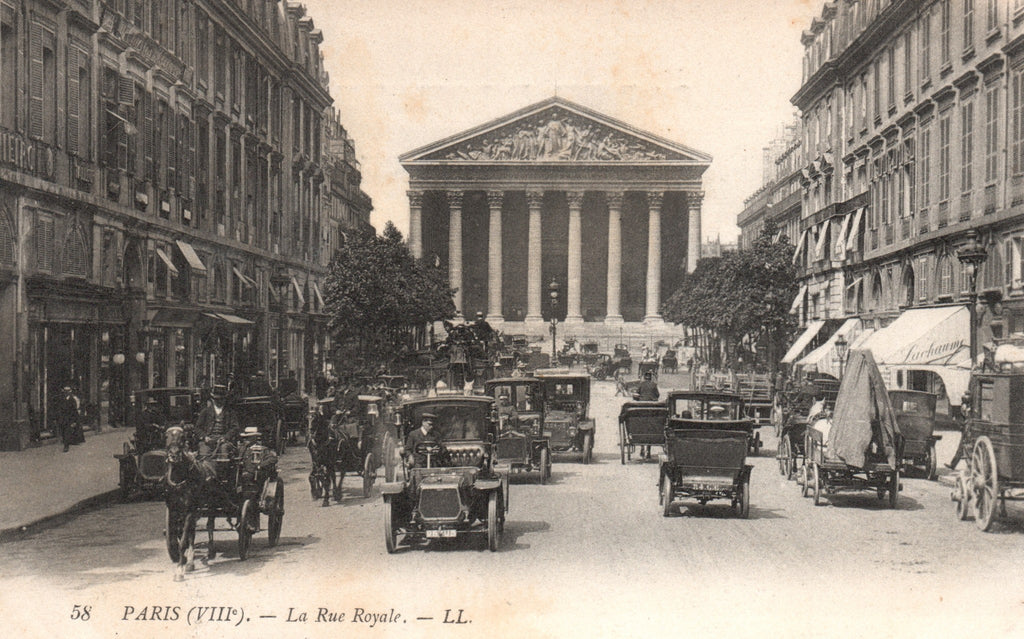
{"points": [[714, 75]]}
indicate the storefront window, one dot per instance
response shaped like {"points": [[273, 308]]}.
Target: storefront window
{"points": [[181, 358]]}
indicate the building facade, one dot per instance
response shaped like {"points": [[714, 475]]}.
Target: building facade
{"points": [[913, 135], [161, 199], [558, 192], [779, 198]]}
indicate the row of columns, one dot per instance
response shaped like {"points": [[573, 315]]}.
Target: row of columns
{"points": [[534, 284]]}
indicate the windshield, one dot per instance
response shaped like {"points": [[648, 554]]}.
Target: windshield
{"points": [[455, 421], [518, 396], [705, 409]]}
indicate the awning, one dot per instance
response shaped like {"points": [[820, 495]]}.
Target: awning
{"points": [[824, 358], [800, 245], [775, 238], [190, 256], [242, 276], [840, 245], [956, 379], [170, 265], [801, 342], [171, 317], [229, 318], [319, 295], [819, 247], [298, 293], [924, 336], [851, 241], [798, 300]]}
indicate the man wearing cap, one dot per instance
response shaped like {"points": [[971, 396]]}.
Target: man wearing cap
{"points": [[423, 434], [216, 425]]}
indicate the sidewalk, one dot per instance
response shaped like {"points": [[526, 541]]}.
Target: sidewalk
{"points": [[43, 483]]}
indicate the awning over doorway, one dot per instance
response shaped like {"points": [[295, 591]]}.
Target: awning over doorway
{"points": [[801, 342], [171, 317], [191, 257], [936, 336], [824, 359], [167, 260], [229, 318]]}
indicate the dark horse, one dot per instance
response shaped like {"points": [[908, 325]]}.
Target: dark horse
{"points": [[183, 479], [323, 445]]}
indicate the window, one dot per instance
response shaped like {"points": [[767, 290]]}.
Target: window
{"points": [[992, 16], [203, 58], [7, 236], [944, 41], [876, 98], [1017, 109], [44, 236], [945, 270], [925, 164], [968, 25], [921, 279], [8, 70], [926, 46], [43, 84], [966, 147], [944, 157], [991, 133], [891, 88], [75, 259], [863, 101], [908, 72]]}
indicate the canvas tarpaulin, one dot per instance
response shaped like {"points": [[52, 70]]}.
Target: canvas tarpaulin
{"points": [[863, 414]]}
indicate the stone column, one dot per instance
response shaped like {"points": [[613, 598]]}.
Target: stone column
{"points": [[613, 315], [535, 200], [693, 201], [455, 248], [494, 274], [573, 314], [653, 314], [415, 223]]}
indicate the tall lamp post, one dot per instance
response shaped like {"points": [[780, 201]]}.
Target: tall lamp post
{"points": [[972, 254], [842, 347], [553, 290]]}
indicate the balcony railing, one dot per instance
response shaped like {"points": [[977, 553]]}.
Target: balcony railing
{"points": [[990, 199], [943, 218], [922, 220], [905, 228]]}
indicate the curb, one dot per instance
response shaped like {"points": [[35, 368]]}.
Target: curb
{"points": [[17, 532]]}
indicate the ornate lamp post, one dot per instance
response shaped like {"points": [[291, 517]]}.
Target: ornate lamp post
{"points": [[553, 290], [972, 254], [842, 347]]}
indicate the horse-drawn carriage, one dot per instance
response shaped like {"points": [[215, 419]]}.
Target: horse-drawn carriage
{"points": [[791, 416], [706, 440], [860, 446], [756, 391], [622, 358], [641, 424], [238, 483], [449, 486], [647, 366], [522, 446], [264, 412], [566, 414], [670, 361]]}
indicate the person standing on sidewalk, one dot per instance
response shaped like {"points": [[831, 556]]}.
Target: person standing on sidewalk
{"points": [[66, 418]]}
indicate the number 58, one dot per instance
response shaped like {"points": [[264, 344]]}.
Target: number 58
{"points": [[80, 612]]}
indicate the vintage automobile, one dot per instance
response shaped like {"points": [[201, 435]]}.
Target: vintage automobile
{"points": [[706, 442], [366, 439], [993, 448], [246, 484], [602, 367], [860, 446], [641, 424], [522, 445], [264, 412], [566, 414], [449, 487], [670, 361], [647, 366], [622, 358], [142, 464], [915, 414]]}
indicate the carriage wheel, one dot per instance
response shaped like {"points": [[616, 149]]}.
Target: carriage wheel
{"points": [[388, 450], [742, 503], [668, 489], [390, 532], [622, 443], [790, 459], [245, 529], [494, 526], [174, 525], [588, 448], [894, 488], [805, 489], [545, 465], [279, 442], [962, 499], [369, 474], [816, 478], [931, 463], [984, 483], [211, 550], [276, 515]]}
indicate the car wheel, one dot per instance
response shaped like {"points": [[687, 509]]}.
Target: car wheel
{"points": [[369, 474], [743, 500], [668, 489], [545, 465], [276, 515], [588, 447], [390, 534], [493, 523]]}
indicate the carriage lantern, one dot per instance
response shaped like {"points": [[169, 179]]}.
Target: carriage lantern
{"points": [[842, 347]]}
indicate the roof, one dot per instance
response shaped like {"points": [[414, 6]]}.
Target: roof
{"points": [[450, 399], [512, 380], [714, 396]]}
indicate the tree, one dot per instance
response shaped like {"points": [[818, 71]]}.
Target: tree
{"points": [[741, 297], [376, 294]]}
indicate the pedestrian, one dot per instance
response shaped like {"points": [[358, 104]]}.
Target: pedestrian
{"points": [[647, 392], [965, 411], [66, 417]]}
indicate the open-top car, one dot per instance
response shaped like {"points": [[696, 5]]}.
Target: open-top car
{"points": [[713, 406], [566, 414], [522, 445], [447, 486], [142, 464], [641, 424]]}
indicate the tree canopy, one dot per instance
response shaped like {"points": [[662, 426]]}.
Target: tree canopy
{"points": [[376, 292]]}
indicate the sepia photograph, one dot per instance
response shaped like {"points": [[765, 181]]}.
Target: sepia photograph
{"points": [[548, 318]]}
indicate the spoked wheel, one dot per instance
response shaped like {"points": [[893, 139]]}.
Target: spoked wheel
{"points": [[174, 525], [984, 483], [668, 489], [742, 503], [390, 533], [369, 474], [494, 525], [588, 448], [805, 489], [388, 449], [962, 498], [894, 488], [545, 465], [276, 515], [622, 444], [788, 462], [245, 529], [816, 478], [279, 439], [931, 465]]}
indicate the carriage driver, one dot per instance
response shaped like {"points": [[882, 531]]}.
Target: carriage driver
{"points": [[216, 426], [423, 434]]}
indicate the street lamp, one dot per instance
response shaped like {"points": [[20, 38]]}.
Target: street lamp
{"points": [[553, 289], [972, 254], [841, 346]]}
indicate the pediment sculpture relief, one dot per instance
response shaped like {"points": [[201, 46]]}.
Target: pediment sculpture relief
{"points": [[553, 137]]}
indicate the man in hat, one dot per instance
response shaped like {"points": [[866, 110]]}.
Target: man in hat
{"points": [[217, 426], [423, 434], [647, 392], [66, 416]]}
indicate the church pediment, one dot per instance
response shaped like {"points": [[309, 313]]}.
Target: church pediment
{"points": [[555, 131]]}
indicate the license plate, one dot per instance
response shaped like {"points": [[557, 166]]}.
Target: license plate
{"points": [[440, 533]]}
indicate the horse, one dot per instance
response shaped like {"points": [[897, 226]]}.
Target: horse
{"points": [[183, 478], [322, 445]]}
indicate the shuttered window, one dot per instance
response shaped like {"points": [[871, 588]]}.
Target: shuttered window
{"points": [[9, 68], [44, 233], [7, 236], [75, 256]]}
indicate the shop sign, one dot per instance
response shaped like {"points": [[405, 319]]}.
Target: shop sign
{"points": [[26, 155]]}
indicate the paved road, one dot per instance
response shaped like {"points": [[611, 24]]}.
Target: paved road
{"points": [[588, 552]]}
